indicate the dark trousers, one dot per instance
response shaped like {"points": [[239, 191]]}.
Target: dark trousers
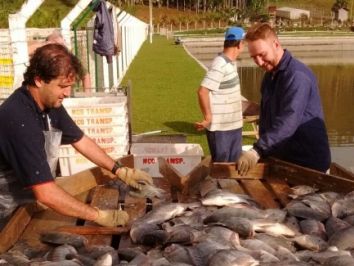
{"points": [[225, 146]]}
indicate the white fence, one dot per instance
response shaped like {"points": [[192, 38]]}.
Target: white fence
{"points": [[130, 34]]}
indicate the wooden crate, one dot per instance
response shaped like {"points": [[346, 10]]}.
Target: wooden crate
{"points": [[268, 184]]}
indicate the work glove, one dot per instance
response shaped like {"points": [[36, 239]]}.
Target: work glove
{"points": [[111, 217], [134, 177], [247, 161]]}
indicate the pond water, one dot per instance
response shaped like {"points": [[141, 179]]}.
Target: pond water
{"points": [[336, 84]]}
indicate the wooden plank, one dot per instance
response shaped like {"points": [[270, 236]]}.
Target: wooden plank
{"points": [[136, 208], [15, 227], [259, 193], [280, 189], [207, 185], [165, 185], [103, 198], [171, 174], [336, 169], [297, 175], [228, 170], [46, 220], [197, 175], [231, 185], [93, 230]]}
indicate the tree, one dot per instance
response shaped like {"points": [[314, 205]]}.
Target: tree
{"points": [[255, 8], [340, 4]]}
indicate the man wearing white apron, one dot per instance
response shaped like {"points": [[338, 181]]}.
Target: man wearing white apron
{"points": [[33, 125]]}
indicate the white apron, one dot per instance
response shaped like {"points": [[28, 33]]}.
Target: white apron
{"points": [[12, 193]]}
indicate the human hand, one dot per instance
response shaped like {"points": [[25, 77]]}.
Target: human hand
{"points": [[247, 161], [111, 217], [133, 177], [202, 125]]}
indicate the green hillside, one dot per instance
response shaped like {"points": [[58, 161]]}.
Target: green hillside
{"points": [[52, 11]]}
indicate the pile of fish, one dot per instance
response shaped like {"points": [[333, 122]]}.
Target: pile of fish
{"points": [[68, 250], [225, 228], [221, 229]]}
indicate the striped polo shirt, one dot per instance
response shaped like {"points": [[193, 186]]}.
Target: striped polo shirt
{"points": [[225, 94]]}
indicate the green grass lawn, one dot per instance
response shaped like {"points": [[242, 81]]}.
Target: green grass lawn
{"points": [[165, 80]]}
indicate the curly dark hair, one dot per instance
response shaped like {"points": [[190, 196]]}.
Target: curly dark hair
{"points": [[231, 43], [50, 62]]}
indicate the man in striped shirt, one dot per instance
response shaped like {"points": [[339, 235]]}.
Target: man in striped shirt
{"points": [[220, 101]]}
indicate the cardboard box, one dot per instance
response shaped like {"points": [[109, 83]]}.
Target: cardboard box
{"points": [[182, 156]]}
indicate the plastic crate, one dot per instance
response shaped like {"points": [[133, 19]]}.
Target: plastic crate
{"points": [[105, 121], [182, 156]]}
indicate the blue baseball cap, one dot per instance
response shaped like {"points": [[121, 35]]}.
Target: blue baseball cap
{"points": [[234, 34]]}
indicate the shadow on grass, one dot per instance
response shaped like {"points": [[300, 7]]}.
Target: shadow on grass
{"points": [[184, 127]]}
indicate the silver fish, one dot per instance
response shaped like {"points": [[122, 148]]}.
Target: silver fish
{"points": [[301, 210], [343, 207], [293, 224], [321, 257], [148, 234], [284, 254], [242, 226], [129, 254], [276, 242], [349, 219], [104, 260], [232, 257], [313, 227], [224, 198], [166, 212], [301, 190], [255, 244], [61, 238], [177, 253], [311, 242], [95, 251], [183, 234], [201, 253], [343, 239], [227, 212], [223, 236], [273, 228], [15, 258], [61, 253], [73, 262], [207, 185], [263, 256], [147, 191], [339, 261], [334, 225]]}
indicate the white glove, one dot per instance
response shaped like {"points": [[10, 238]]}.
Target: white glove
{"points": [[247, 161], [133, 177], [111, 217]]}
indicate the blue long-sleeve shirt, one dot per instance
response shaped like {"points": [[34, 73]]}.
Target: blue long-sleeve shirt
{"points": [[291, 125]]}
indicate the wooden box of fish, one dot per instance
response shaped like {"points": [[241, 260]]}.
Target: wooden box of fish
{"points": [[279, 214]]}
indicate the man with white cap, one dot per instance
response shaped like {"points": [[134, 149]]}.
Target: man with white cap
{"points": [[220, 101]]}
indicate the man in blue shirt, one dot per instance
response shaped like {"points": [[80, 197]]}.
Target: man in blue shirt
{"points": [[33, 125], [291, 124]]}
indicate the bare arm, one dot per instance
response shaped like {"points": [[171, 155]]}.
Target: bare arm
{"points": [[204, 103], [51, 195]]}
